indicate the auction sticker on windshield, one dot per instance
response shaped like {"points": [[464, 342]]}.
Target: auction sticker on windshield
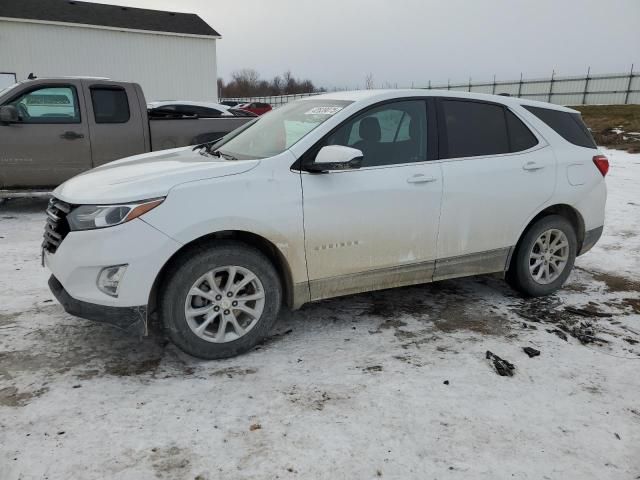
{"points": [[323, 111]]}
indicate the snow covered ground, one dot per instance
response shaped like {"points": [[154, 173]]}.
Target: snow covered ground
{"points": [[391, 384]]}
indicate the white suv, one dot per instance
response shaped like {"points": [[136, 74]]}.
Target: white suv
{"points": [[331, 195]]}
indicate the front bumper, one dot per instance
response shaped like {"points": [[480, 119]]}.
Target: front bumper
{"points": [[130, 319], [81, 256]]}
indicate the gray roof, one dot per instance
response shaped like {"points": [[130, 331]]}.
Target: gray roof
{"points": [[106, 16]]}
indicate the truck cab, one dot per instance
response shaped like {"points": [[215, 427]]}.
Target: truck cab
{"points": [[54, 129]]}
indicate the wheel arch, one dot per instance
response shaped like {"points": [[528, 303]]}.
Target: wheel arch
{"points": [[264, 245], [562, 209]]}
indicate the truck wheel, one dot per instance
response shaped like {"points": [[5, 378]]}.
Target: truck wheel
{"points": [[544, 257], [220, 301]]}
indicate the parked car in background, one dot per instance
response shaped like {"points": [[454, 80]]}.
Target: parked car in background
{"points": [[230, 103], [181, 109], [52, 129], [259, 108], [330, 195]]}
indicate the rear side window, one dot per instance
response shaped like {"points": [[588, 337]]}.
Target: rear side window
{"points": [[474, 129], [566, 124], [110, 105], [520, 137]]}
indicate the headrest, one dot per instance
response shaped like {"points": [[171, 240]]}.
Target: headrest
{"points": [[370, 129]]}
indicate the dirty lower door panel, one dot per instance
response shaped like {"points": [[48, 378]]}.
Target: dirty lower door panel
{"points": [[363, 227]]}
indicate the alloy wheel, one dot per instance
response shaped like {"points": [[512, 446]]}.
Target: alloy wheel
{"points": [[549, 256], [224, 304]]}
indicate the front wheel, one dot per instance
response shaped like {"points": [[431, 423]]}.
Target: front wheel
{"points": [[544, 257], [220, 301]]}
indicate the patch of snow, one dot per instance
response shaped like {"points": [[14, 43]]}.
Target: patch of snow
{"points": [[346, 388]]}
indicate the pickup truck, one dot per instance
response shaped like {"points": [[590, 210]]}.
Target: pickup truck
{"points": [[52, 129]]}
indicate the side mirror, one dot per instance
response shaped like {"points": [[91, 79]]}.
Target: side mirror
{"points": [[8, 114], [336, 157]]}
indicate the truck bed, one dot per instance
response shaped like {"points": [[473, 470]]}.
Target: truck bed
{"points": [[172, 133]]}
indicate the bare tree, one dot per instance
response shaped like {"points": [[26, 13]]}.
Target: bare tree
{"points": [[368, 81], [247, 83], [277, 85]]}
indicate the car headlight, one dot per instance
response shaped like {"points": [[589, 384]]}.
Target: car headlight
{"points": [[88, 217]]}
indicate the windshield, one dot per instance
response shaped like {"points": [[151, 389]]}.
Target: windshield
{"points": [[276, 131]]}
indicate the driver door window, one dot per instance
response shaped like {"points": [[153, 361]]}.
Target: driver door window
{"points": [[391, 134], [48, 105]]}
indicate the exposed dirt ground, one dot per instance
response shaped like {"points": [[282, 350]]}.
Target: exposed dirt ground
{"points": [[391, 384], [614, 126]]}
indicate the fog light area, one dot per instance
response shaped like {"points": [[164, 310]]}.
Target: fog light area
{"points": [[109, 279]]}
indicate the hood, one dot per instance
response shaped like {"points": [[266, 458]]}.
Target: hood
{"points": [[149, 175]]}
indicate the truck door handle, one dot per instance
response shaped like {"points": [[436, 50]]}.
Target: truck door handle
{"points": [[532, 166], [420, 178], [71, 135]]}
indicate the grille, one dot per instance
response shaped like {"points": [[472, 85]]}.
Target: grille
{"points": [[57, 226]]}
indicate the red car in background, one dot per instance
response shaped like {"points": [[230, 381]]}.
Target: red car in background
{"points": [[258, 108]]}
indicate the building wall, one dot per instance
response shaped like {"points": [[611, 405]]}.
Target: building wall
{"points": [[167, 67]]}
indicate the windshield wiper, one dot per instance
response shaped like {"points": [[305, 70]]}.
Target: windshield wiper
{"points": [[226, 156], [216, 153], [207, 149]]}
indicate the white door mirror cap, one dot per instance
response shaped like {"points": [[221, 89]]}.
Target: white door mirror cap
{"points": [[337, 154], [337, 157]]}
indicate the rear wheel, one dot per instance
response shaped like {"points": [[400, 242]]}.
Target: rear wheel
{"points": [[220, 301], [544, 257]]}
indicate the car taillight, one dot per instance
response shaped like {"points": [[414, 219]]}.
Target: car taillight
{"points": [[602, 163]]}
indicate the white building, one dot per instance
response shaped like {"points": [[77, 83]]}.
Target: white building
{"points": [[172, 55]]}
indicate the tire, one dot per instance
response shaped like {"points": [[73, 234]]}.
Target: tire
{"points": [[217, 259], [529, 254]]}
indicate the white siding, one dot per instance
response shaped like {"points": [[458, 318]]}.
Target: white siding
{"points": [[167, 67]]}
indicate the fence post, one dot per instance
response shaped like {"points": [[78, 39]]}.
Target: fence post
{"points": [[493, 91], [469, 84], [448, 84], [553, 74], [429, 84], [626, 96], [520, 86], [586, 87]]}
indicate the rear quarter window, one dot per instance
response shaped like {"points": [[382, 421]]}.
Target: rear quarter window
{"points": [[566, 124]]}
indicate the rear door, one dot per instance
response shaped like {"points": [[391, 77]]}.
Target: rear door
{"points": [[497, 173], [50, 142], [116, 122]]}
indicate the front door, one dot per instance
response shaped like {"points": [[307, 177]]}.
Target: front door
{"points": [[375, 227], [50, 142]]}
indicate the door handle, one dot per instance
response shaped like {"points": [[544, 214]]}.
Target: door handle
{"points": [[532, 166], [71, 135], [420, 178]]}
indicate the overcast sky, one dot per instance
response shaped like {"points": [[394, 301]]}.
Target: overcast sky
{"points": [[336, 43]]}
